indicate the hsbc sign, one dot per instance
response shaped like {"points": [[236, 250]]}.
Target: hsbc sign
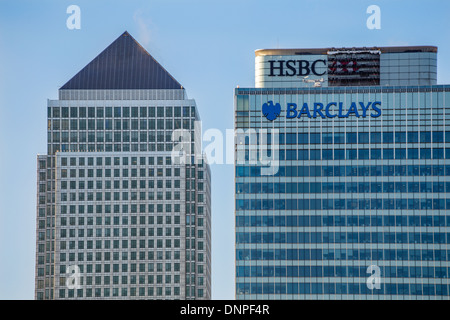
{"points": [[291, 68]]}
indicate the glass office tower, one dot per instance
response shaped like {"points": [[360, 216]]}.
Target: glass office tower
{"points": [[117, 216], [357, 208]]}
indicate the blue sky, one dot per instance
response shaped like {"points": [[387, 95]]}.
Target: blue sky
{"points": [[208, 46]]}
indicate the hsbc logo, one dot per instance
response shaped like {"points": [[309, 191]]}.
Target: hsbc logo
{"points": [[291, 68], [343, 67]]}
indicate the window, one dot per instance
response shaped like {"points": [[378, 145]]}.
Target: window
{"points": [[438, 153], [438, 136], [413, 153], [400, 137], [339, 138], [351, 137], [388, 153], [375, 137], [363, 137], [351, 154], [388, 137], [327, 138], [315, 138], [339, 154], [400, 153], [375, 154], [425, 153], [413, 137], [425, 136], [363, 153], [327, 154]]}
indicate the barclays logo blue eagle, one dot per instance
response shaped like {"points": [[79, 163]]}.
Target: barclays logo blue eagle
{"points": [[271, 111]]}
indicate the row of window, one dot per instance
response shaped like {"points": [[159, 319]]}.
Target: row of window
{"points": [[125, 220], [349, 171], [125, 208], [133, 244], [342, 288], [118, 112], [160, 196], [107, 208], [343, 204], [99, 232], [119, 127], [107, 256], [343, 254], [150, 232], [108, 268], [133, 279], [362, 154], [117, 173], [119, 184], [82, 161], [342, 271], [114, 292], [362, 137], [124, 244], [89, 196], [168, 267], [343, 237], [124, 292], [344, 221], [117, 147], [343, 187], [123, 255]]}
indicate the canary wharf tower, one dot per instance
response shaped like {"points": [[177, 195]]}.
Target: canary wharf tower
{"points": [[117, 217]]}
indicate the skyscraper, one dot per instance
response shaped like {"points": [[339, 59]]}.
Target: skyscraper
{"points": [[118, 217], [356, 203]]}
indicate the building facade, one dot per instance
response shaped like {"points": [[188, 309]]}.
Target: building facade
{"points": [[118, 216], [357, 207]]}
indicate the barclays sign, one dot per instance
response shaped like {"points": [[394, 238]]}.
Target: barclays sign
{"points": [[317, 109]]}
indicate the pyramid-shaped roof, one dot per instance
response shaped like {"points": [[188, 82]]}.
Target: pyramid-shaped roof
{"points": [[124, 64]]}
